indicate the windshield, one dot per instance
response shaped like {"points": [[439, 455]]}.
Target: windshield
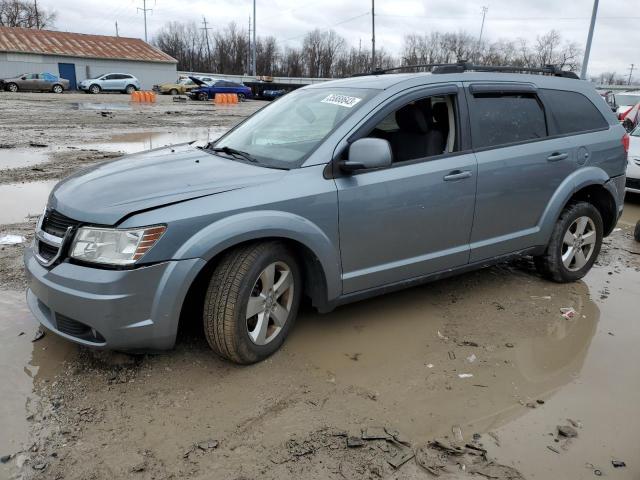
{"points": [[624, 99], [287, 131]]}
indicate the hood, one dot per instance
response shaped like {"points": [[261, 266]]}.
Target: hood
{"points": [[197, 81], [106, 193]]}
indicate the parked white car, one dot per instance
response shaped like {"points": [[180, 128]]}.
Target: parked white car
{"points": [[625, 101], [633, 163], [111, 82]]}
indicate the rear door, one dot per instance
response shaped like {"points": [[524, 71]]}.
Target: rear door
{"points": [[519, 166]]}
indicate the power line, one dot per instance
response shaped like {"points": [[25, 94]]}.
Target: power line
{"points": [[144, 10]]}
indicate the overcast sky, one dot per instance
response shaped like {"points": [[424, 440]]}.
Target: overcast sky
{"points": [[615, 45]]}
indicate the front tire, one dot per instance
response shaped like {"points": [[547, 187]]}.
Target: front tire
{"points": [[95, 89], [574, 245], [173, 92], [12, 87], [252, 302], [203, 97]]}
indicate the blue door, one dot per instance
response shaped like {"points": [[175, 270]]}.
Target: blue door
{"points": [[68, 71]]}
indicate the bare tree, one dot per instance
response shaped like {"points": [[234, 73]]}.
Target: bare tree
{"points": [[20, 13]]}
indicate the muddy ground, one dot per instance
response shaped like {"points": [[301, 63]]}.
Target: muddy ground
{"points": [[484, 361]]}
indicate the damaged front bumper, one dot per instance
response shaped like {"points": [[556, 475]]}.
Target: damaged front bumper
{"points": [[130, 310]]}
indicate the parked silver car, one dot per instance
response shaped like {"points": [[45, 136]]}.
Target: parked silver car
{"points": [[111, 82], [41, 82]]}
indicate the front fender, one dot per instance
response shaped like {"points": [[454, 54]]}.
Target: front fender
{"points": [[254, 225], [578, 180]]}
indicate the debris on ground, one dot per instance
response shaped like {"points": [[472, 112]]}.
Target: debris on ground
{"points": [[618, 464], [457, 433], [204, 446], [38, 145], [553, 449], [467, 343], [465, 375], [11, 239], [567, 431], [40, 333], [5, 458], [509, 345], [452, 355], [471, 358], [568, 312], [354, 442]]}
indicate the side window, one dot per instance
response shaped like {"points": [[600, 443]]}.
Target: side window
{"points": [[572, 112], [500, 119], [109, 77], [420, 129]]}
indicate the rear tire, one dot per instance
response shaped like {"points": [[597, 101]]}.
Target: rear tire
{"points": [[57, 89], [12, 87], [130, 89], [574, 245], [260, 277]]}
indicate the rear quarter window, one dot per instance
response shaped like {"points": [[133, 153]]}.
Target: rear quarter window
{"points": [[500, 119], [572, 112]]}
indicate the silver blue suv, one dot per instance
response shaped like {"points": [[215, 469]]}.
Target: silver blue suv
{"points": [[335, 192]]}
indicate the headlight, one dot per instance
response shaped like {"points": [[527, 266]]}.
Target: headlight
{"points": [[113, 246]]}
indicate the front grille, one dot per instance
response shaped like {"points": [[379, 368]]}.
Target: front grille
{"points": [[633, 183], [76, 329], [47, 251], [56, 224]]}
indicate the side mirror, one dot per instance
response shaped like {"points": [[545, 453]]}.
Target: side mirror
{"points": [[23, 78], [368, 153]]}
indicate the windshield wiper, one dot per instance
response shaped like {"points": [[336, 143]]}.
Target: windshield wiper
{"points": [[233, 151]]}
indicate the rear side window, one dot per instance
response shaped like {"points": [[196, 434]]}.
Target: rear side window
{"points": [[572, 112], [504, 118]]}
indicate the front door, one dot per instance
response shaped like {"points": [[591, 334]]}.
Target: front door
{"points": [[68, 72], [413, 218]]}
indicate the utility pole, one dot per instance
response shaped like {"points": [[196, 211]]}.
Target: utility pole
{"points": [[587, 50], [485, 9], [35, 4], [484, 14], [206, 37], [630, 73], [144, 10], [117, 29], [249, 44], [255, 48], [373, 34]]}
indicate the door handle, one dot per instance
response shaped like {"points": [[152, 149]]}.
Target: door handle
{"points": [[554, 157], [457, 175]]}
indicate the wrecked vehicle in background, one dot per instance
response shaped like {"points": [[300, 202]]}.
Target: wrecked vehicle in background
{"points": [[208, 92], [183, 86], [337, 192]]}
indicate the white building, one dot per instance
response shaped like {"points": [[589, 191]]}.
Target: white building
{"points": [[78, 56]]}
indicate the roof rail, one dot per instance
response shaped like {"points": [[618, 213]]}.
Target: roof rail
{"points": [[464, 66]]}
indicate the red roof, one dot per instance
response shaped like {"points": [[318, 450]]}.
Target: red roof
{"points": [[48, 42]]}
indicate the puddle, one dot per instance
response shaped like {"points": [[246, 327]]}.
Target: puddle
{"points": [[22, 157], [139, 141], [21, 364], [20, 200], [631, 212], [99, 106]]}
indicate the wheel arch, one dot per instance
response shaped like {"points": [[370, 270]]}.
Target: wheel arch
{"points": [[589, 184], [318, 256]]}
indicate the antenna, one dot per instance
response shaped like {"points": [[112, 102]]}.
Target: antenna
{"points": [[144, 10]]}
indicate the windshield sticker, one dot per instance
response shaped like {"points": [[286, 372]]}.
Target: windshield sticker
{"points": [[342, 100]]}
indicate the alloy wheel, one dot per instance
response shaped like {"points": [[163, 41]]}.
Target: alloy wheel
{"points": [[270, 303], [578, 243]]}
